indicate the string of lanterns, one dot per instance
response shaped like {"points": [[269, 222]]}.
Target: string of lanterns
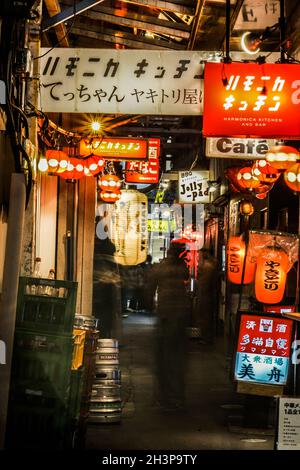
{"points": [[259, 178]]}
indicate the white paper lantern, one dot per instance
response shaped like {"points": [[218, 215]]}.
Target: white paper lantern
{"points": [[130, 229]]}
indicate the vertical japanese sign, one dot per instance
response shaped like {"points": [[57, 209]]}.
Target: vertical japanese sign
{"points": [[263, 351], [193, 186], [244, 99], [289, 424], [145, 172], [122, 81]]}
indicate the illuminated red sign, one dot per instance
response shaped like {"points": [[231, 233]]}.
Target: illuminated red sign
{"points": [[115, 148], [265, 335], [145, 172], [252, 100]]}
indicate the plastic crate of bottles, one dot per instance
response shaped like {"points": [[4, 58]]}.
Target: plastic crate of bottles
{"points": [[41, 367], [46, 305], [37, 427]]}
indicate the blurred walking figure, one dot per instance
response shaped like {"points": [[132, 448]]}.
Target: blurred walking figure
{"points": [[207, 295], [173, 309]]}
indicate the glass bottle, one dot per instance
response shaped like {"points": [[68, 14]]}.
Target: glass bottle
{"points": [[35, 289], [50, 290]]}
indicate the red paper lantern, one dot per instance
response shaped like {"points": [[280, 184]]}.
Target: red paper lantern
{"points": [[292, 177], [74, 170], [246, 179], [270, 276], [110, 196], [265, 172], [110, 182], [93, 165], [57, 161], [282, 156], [235, 260]]}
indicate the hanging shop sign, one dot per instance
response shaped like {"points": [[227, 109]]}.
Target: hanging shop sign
{"points": [[115, 148], [288, 434], [255, 100], [145, 172], [228, 147], [263, 350], [122, 81], [257, 14], [193, 186]]}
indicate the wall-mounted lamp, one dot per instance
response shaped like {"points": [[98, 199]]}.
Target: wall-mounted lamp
{"points": [[250, 42]]}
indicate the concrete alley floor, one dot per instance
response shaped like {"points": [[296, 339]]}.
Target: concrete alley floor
{"points": [[212, 421]]}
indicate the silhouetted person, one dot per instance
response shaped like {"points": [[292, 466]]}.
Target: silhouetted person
{"points": [[106, 286], [206, 302], [173, 308]]}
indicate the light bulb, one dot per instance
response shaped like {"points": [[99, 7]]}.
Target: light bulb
{"points": [[43, 164]]}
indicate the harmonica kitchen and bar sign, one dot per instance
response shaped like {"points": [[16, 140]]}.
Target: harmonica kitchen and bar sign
{"points": [[229, 147], [251, 100]]}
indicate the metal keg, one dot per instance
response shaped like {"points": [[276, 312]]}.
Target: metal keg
{"points": [[105, 411], [107, 356], [107, 373], [107, 343], [106, 393]]}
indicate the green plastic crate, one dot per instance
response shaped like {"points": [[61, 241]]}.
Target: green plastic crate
{"points": [[37, 427], [49, 314], [41, 367]]}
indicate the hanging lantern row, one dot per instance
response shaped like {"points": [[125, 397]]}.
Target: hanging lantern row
{"points": [[259, 179], [110, 186], [57, 162], [268, 271], [243, 180]]}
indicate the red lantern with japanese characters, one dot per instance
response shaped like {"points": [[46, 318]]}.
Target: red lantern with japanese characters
{"points": [[270, 277], [282, 156], [246, 179], [292, 177], [236, 250], [74, 170], [265, 172]]}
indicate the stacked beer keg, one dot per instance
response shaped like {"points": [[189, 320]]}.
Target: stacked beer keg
{"points": [[106, 403]]}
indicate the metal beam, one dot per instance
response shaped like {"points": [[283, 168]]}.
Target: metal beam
{"points": [[196, 25], [143, 22], [183, 8], [68, 13], [126, 39], [60, 30], [235, 13]]}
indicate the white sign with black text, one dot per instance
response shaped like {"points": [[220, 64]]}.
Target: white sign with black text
{"points": [[193, 186], [288, 424], [125, 81], [229, 147]]}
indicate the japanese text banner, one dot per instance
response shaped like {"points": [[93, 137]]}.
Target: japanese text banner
{"points": [[243, 99], [122, 81]]}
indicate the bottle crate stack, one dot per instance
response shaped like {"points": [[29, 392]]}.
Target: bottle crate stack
{"points": [[87, 325], [45, 392], [106, 402]]}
